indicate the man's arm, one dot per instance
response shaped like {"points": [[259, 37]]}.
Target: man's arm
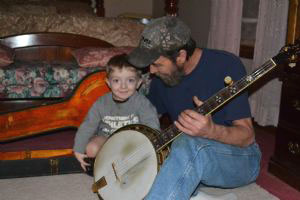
{"points": [[194, 124], [240, 134]]}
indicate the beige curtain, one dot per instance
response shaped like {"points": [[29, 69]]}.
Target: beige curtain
{"points": [[225, 25], [270, 37]]}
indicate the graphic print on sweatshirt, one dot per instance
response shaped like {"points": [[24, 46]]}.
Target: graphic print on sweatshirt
{"points": [[115, 122]]}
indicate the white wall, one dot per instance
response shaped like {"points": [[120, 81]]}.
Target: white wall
{"points": [[196, 13], [113, 8], [158, 8]]}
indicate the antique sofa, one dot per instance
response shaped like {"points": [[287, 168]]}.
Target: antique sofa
{"points": [[50, 60]]}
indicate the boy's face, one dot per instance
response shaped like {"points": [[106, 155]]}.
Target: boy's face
{"points": [[123, 83]]}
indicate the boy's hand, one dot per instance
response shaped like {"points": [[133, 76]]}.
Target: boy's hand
{"points": [[80, 157]]}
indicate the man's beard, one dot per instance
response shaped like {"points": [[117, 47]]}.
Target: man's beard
{"points": [[174, 78]]}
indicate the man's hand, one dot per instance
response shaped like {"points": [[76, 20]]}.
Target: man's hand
{"points": [[195, 124], [80, 157], [241, 133]]}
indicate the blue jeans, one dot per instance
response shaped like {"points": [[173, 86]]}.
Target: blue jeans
{"points": [[194, 161]]}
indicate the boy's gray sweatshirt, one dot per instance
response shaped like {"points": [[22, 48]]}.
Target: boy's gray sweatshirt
{"points": [[106, 116]]}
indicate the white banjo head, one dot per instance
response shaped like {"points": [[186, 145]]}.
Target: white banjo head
{"points": [[128, 162]]}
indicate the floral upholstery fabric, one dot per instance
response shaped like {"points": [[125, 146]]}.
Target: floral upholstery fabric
{"points": [[117, 31], [45, 80], [145, 86], [93, 56], [36, 80]]}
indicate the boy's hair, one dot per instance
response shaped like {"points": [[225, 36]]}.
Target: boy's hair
{"points": [[120, 62]]}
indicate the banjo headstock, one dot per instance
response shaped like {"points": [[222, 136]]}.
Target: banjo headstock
{"points": [[288, 54]]}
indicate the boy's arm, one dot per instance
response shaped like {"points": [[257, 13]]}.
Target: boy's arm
{"points": [[87, 128]]}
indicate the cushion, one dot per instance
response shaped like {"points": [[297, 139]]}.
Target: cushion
{"points": [[97, 56], [6, 55], [39, 79]]}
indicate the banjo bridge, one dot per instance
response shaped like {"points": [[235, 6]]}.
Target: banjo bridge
{"points": [[115, 172]]}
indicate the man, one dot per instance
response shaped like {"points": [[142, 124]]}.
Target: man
{"points": [[216, 150]]}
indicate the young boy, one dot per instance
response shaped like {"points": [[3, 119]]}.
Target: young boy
{"points": [[122, 106]]}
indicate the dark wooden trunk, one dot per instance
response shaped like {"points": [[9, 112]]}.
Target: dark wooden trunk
{"points": [[39, 167]]}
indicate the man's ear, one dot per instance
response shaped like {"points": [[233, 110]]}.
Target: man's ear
{"points": [[107, 82], [181, 58]]}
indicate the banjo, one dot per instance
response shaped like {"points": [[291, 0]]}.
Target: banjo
{"points": [[128, 162]]}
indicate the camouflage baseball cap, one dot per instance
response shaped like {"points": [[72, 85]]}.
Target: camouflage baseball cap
{"points": [[159, 36]]}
